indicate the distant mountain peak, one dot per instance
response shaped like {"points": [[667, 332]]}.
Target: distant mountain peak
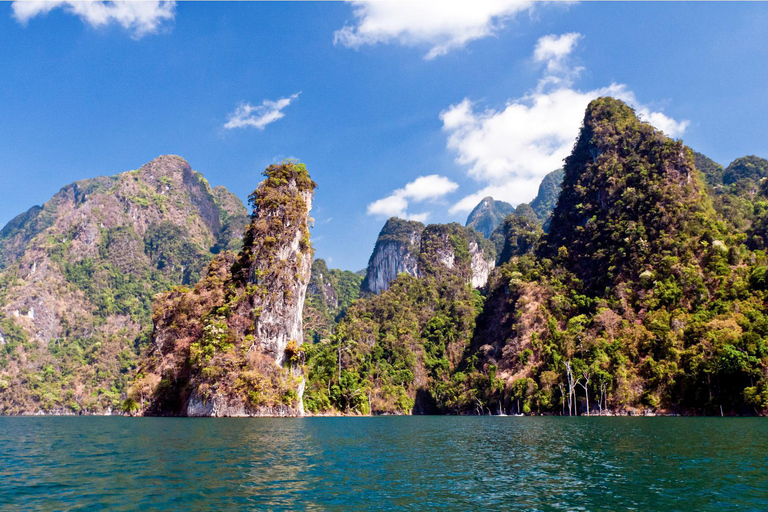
{"points": [[488, 214]]}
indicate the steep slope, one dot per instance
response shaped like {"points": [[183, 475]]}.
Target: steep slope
{"points": [[231, 346], [746, 172], [630, 197], [395, 252], [80, 273], [516, 236], [544, 203], [711, 170], [329, 294], [402, 244], [457, 251], [394, 352], [487, 215], [738, 192], [635, 300]]}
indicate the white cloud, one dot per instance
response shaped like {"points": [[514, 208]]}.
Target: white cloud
{"points": [[422, 188], [259, 116], [443, 25], [510, 150], [554, 49], [141, 18]]}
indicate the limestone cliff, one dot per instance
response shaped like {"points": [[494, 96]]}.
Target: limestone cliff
{"points": [[396, 252], [456, 250], [80, 272], [411, 248], [231, 346]]}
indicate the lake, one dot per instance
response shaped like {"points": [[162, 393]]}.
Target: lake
{"points": [[411, 463]]}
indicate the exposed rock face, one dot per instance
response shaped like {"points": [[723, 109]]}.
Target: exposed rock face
{"points": [[409, 247], [481, 266], [232, 345], [451, 249], [396, 252], [81, 270], [321, 285], [487, 215], [280, 320]]}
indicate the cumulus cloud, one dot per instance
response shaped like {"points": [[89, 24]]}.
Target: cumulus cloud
{"points": [[553, 48], [441, 25], [259, 116], [140, 18], [510, 150], [421, 189]]}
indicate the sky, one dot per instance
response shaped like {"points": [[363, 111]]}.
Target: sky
{"points": [[409, 109]]}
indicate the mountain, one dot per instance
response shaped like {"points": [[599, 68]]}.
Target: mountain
{"points": [[750, 169], [487, 215], [711, 170], [395, 352], [329, 294], [636, 300], [516, 236], [80, 272], [401, 245], [544, 203], [736, 190], [647, 294], [639, 299], [395, 252], [652, 202], [232, 344]]}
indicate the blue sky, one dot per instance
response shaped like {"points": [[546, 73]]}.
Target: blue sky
{"points": [[395, 108]]}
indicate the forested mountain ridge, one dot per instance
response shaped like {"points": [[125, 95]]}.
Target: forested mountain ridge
{"points": [[636, 282], [395, 352], [80, 272], [641, 298], [638, 298], [489, 214]]}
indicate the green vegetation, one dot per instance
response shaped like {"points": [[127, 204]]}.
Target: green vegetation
{"points": [[750, 168], [546, 200], [329, 294], [638, 298], [219, 341], [516, 236], [642, 297], [84, 269], [711, 170], [396, 352], [646, 293]]}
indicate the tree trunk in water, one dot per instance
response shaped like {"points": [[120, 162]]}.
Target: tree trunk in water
{"points": [[571, 393]]}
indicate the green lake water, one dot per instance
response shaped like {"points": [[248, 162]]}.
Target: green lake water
{"points": [[411, 463]]}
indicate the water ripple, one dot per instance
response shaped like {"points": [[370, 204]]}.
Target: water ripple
{"points": [[411, 463]]}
